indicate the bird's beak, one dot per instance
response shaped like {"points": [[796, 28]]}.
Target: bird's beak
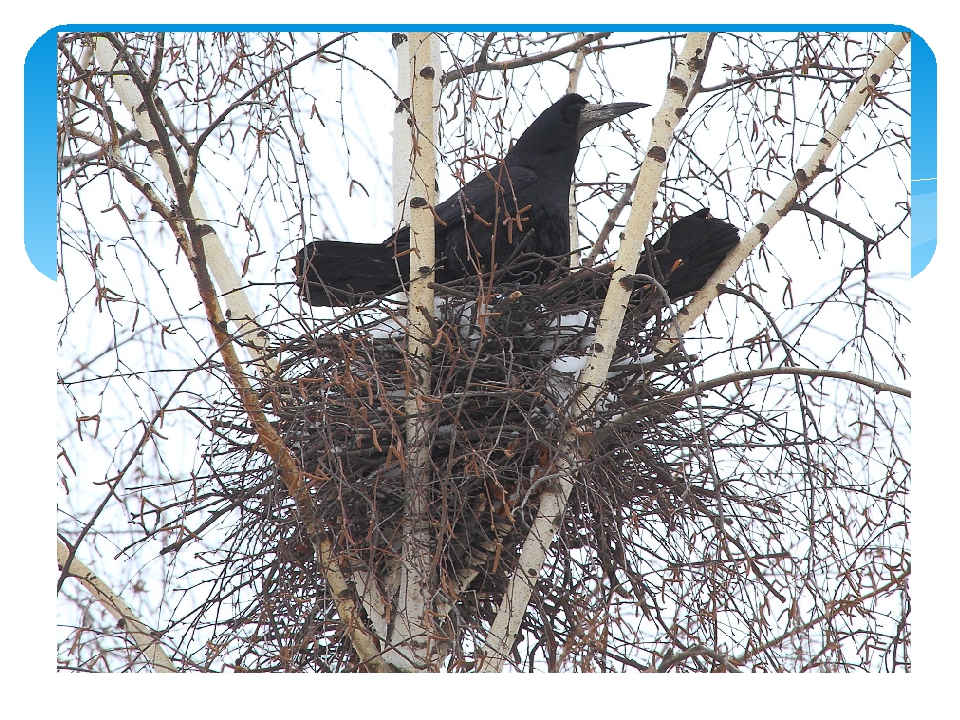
{"points": [[593, 116]]}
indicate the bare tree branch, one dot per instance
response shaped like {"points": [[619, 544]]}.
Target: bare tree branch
{"points": [[487, 66]]}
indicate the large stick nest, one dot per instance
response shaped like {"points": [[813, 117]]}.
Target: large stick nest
{"points": [[503, 370]]}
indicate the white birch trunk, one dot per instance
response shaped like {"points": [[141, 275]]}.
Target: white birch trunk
{"points": [[402, 137], [506, 625], [572, 209], [413, 641]]}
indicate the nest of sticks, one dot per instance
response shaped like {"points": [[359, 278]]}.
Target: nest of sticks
{"points": [[504, 366]]}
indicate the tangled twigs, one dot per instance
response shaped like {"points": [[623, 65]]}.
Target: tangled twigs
{"points": [[503, 369]]}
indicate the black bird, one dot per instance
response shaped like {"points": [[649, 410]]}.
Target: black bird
{"points": [[689, 251], [512, 217], [518, 207]]}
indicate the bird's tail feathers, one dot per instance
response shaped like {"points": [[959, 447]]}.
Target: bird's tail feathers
{"points": [[334, 273]]}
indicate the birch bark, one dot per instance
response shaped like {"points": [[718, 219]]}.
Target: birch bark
{"points": [[414, 638], [145, 639]]}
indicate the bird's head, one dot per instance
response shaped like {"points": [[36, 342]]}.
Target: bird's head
{"points": [[563, 125], [593, 116]]}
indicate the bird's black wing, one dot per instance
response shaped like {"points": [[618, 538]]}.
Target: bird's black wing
{"points": [[331, 272], [468, 221], [335, 273], [480, 196], [690, 251], [684, 258]]}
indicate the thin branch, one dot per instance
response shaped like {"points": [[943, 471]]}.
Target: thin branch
{"points": [[611, 222], [486, 65], [672, 660], [242, 100], [797, 71], [833, 609], [807, 208], [874, 385], [130, 87], [67, 160], [703, 385]]}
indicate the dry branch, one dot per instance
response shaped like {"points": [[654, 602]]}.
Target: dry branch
{"points": [[487, 66]]}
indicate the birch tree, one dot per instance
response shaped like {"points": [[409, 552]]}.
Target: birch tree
{"points": [[477, 477]]}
